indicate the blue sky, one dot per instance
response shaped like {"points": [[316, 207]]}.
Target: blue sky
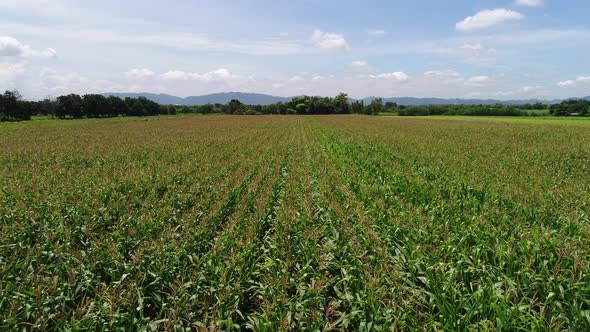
{"points": [[503, 49]]}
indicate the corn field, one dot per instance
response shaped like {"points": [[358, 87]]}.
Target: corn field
{"points": [[291, 223]]}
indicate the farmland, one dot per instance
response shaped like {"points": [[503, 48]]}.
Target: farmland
{"points": [[295, 222]]}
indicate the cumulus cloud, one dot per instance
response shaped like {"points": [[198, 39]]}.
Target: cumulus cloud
{"points": [[329, 40], [488, 18], [529, 3], [139, 73], [577, 81], [11, 47], [212, 76], [397, 76]]}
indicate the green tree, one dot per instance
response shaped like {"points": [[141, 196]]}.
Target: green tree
{"points": [[301, 108], [376, 106], [206, 109], [358, 107], [70, 105], [570, 107], [9, 106], [341, 104], [116, 106], [47, 107], [235, 107], [95, 105]]}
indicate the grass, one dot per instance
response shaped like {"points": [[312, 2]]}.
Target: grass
{"points": [[295, 223]]}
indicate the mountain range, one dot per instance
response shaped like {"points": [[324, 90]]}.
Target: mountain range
{"points": [[263, 99]]}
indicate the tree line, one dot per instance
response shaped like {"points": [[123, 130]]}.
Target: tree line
{"points": [[11, 107], [340, 104], [482, 110], [14, 108], [307, 105], [574, 107], [74, 106]]}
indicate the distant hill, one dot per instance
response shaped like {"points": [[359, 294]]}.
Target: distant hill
{"points": [[409, 101], [161, 98], [262, 99], [215, 98], [226, 97]]}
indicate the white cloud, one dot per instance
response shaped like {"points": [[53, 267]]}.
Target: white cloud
{"points": [[530, 3], [477, 53], [577, 81], [472, 53], [452, 77], [376, 32], [186, 41], [212, 76], [531, 88], [139, 73], [177, 75], [41, 82], [538, 36], [203, 43], [329, 40], [478, 79], [8, 71], [11, 47], [488, 18], [472, 47], [395, 76], [296, 79], [359, 64], [523, 92], [442, 73], [48, 52], [445, 76], [567, 83]]}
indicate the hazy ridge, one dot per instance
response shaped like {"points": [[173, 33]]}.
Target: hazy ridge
{"points": [[264, 99]]}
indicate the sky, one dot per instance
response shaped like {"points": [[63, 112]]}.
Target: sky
{"points": [[500, 49]]}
